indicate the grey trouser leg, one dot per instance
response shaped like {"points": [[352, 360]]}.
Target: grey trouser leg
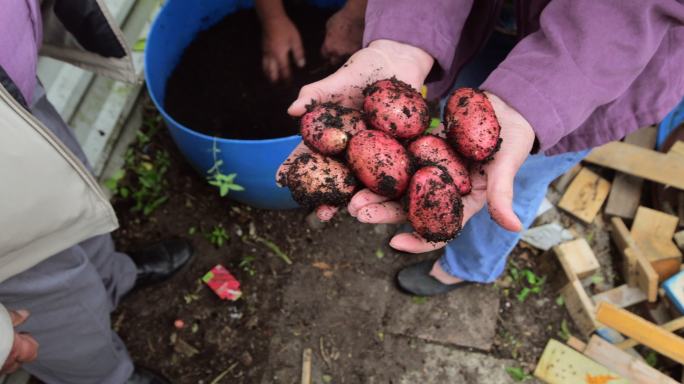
{"points": [[71, 295]]}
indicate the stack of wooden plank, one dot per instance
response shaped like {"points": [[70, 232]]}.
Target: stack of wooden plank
{"points": [[650, 252]]}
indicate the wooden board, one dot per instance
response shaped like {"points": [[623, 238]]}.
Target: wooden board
{"points": [[638, 272], [645, 332], [580, 307], [623, 240], [577, 256], [560, 364], [645, 163], [671, 326], [561, 184], [625, 193], [653, 232], [646, 276], [627, 366], [585, 195], [677, 148], [623, 296]]}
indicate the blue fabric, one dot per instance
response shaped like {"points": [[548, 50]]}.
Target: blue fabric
{"points": [[479, 253]]}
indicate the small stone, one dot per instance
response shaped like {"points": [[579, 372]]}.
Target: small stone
{"points": [[314, 222], [246, 359]]}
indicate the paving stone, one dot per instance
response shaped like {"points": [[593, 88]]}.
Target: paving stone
{"points": [[465, 317], [410, 361], [339, 319]]}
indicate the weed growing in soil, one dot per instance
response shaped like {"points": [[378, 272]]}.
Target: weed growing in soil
{"points": [[564, 332], [143, 178], [224, 183], [218, 236], [247, 265], [518, 374], [528, 280]]}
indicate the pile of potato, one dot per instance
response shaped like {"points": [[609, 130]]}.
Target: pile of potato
{"points": [[386, 148]]}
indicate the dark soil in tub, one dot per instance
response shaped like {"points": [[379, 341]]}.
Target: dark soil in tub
{"points": [[218, 87]]}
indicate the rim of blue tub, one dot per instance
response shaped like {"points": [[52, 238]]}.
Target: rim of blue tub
{"points": [[165, 115]]}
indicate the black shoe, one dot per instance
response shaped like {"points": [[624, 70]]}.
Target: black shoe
{"points": [[145, 376], [416, 280], [161, 260]]}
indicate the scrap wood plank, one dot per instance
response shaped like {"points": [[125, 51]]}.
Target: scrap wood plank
{"points": [[580, 307], [585, 195], [560, 364], [646, 276], [638, 271], [625, 194], [577, 258], [645, 332], [623, 296], [306, 366], [679, 239], [653, 232], [677, 148], [645, 163], [561, 184], [624, 364]]}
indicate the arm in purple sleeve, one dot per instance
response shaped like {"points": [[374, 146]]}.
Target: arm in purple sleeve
{"points": [[433, 26], [586, 54]]}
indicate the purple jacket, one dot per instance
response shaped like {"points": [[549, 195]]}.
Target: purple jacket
{"points": [[584, 72]]}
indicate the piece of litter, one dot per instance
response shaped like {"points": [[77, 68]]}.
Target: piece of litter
{"points": [[223, 283], [546, 236], [544, 207]]}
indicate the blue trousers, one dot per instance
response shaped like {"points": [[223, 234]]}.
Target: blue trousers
{"points": [[479, 253]]}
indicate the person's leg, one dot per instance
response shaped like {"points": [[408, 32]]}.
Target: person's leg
{"points": [[117, 270], [70, 310], [479, 253]]}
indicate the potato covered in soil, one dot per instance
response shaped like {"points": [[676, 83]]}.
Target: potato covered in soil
{"points": [[316, 180], [472, 127], [326, 128], [394, 107], [379, 162], [435, 206], [433, 150]]}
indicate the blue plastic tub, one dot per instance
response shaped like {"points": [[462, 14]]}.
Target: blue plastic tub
{"points": [[254, 161]]}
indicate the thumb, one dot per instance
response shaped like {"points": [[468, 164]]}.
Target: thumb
{"points": [[312, 93], [500, 176]]}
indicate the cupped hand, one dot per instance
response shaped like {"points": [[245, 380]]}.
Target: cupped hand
{"points": [[280, 39], [24, 349], [492, 183], [380, 60], [343, 35]]}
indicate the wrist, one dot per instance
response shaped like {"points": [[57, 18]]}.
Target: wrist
{"points": [[420, 61]]}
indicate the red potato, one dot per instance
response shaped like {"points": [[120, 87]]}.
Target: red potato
{"points": [[326, 128], [316, 180], [394, 107], [472, 127], [435, 206], [433, 150], [379, 162]]}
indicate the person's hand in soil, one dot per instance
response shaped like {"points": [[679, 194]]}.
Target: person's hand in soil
{"points": [[280, 41], [24, 349], [344, 31]]}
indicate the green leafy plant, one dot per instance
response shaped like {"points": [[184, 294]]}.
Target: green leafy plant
{"points": [[652, 358], [247, 265], [113, 184], [518, 374], [564, 332], [150, 176], [218, 236], [224, 183], [528, 281]]}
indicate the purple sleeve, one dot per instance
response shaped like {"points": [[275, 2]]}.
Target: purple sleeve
{"points": [[585, 55], [434, 27]]}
